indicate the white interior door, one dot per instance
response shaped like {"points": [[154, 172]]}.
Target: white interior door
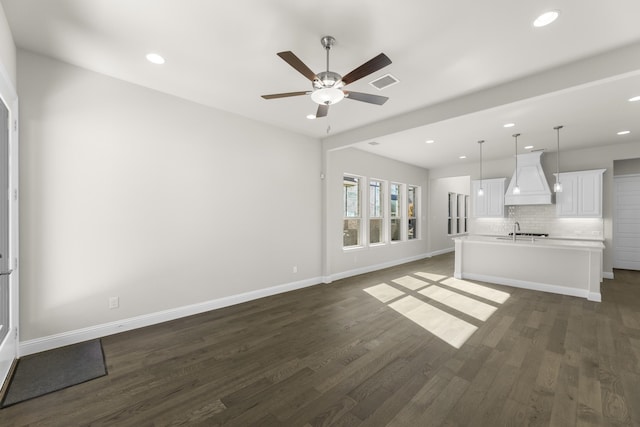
{"points": [[8, 242], [626, 222]]}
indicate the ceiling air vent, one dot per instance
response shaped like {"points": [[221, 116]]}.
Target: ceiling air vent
{"points": [[384, 82]]}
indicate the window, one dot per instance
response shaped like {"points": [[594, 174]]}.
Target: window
{"points": [[351, 202], [452, 209], [376, 212], [461, 214], [412, 221], [396, 212], [466, 213], [458, 216]]}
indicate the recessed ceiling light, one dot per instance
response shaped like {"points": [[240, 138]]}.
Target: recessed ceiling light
{"points": [[374, 143], [624, 132], [634, 99], [311, 116], [508, 125], [528, 147], [462, 157], [154, 58], [546, 18], [429, 141]]}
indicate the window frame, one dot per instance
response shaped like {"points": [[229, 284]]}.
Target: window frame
{"points": [[345, 217], [382, 209], [416, 213], [458, 214], [399, 212], [451, 230]]}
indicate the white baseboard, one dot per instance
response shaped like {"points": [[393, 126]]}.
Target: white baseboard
{"points": [[535, 286], [92, 332], [443, 251], [595, 297], [607, 274], [375, 267]]}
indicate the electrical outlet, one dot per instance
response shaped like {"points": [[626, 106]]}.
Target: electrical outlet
{"points": [[295, 268], [114, 302]]}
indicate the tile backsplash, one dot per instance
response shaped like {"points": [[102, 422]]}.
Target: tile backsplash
{"points": [[539, 219]]}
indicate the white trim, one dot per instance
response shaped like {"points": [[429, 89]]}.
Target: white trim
{"points": [[631, 175], [607, 275], [375, 267], [9, 347], [534, 286], [594, 296], [442, 251], [71, 337]]}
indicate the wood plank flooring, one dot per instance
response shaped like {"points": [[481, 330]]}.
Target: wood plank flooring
{"points": [[338, 355]]}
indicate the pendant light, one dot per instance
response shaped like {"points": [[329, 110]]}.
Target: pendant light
{"points": [[516, 189], [557, 187], [480, 190]]}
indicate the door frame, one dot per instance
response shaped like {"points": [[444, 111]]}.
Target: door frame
{"points": [[9, 349]]}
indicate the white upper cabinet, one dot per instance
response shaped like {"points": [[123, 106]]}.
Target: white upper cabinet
{"points": [[581, 194], [491, 203]]}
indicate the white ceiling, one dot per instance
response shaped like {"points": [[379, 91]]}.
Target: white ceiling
{"points": [[223, 54]]}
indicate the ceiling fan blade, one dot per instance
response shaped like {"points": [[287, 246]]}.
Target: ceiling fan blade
{"points": [[296, 63], [284, 95], [323, 109], [367, 68], [366, 97]]}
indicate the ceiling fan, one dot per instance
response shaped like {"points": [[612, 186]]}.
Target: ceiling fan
{"points": [[327, 85]]}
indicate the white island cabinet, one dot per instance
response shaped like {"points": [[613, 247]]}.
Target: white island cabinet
{"points": [[581, 195], [568, 267], [491, 203]]}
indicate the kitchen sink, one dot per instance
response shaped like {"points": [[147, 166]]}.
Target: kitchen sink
{"points": [[518, 238]]}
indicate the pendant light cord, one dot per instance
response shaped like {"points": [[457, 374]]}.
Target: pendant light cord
{"points": [[516, 135], [480, 143], [557, 129]]}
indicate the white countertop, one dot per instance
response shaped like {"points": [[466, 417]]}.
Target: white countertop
{"points": [[535, 241]]}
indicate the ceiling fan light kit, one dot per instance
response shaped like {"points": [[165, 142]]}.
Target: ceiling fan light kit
{"points": [[327, 96], [327, 85]]}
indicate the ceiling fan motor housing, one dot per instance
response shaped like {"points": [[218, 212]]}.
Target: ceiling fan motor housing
{"points": [[327, 79]]}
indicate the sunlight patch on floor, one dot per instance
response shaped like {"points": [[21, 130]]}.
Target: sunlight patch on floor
{"points": [[445, 326], [384, 292], [478, 290], [410, 282], [431, 276], [463, 304]]}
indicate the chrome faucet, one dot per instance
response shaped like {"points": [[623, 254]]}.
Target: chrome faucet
{"points": [[516, 225]]}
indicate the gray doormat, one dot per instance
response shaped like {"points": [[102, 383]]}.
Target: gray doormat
{"points": [[53, 370]]}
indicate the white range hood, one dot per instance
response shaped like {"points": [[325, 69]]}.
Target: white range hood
{"points": [[534, 189]]}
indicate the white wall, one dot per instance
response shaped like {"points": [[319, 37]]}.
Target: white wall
{"points": [[7, 49], [341, 262], [440, 188], [165, 203], [626, 167]]}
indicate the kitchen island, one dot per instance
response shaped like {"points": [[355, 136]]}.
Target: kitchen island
{"points": [[562, 266]]}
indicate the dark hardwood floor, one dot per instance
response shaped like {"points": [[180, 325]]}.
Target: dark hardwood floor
{"points": [[337, 355]]}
